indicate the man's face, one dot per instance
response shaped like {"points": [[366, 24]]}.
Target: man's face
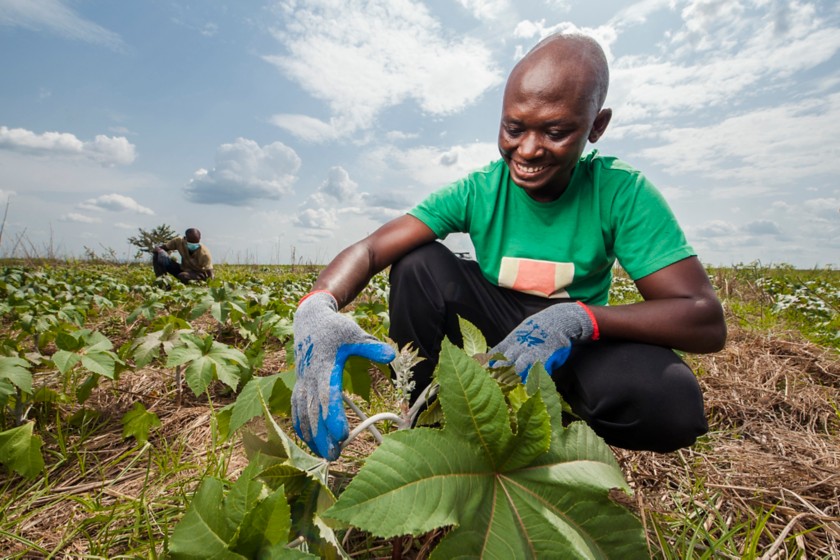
{"points": [[547, 117]]}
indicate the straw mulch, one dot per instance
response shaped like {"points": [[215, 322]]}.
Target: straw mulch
{"points": [[773, 447]]}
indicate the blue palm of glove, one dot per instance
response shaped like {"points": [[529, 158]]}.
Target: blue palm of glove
{"points": [[324, 340], [545, 337], [530, 343]]}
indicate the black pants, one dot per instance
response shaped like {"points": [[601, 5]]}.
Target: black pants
{"points": [[635, 396]]}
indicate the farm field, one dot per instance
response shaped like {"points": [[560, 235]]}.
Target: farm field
{"points": [[118, 397]]}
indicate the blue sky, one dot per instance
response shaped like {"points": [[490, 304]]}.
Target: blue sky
{"points": [[298, 127]]}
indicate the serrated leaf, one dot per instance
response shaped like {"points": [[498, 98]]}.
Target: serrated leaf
{"points": [[138, 422], [474, 406], [543, 494], [474, 341], [20, 451]]}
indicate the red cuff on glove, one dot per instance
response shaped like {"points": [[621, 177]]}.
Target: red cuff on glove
{"points": [[596, 333], [316, 292]]}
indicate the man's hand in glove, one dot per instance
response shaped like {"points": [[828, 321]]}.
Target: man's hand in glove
{"points": [[324, 339], [546, 337]]}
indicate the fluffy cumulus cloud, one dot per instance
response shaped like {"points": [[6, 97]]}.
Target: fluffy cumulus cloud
{"points": [[56, 16], [105, 150], [363, 57], [339, 194], [430, 167], [115, 203], [245, 172]]}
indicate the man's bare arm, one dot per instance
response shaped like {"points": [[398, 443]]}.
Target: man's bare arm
{"points": [[680, 311]]}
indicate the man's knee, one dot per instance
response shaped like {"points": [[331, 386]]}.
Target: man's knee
{"points": [[418, 263], [663, 417]]}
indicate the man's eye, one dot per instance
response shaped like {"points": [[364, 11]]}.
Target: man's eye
{"points": [[556, 134], [513, 131]]}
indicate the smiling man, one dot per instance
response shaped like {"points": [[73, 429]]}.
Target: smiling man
{"points": [[547, 223]]}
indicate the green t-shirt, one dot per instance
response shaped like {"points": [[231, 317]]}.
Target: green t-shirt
{"points": [[565, 248]]}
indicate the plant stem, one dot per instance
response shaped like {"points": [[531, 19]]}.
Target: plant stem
{"points": [[362, 416], [369, 422]]}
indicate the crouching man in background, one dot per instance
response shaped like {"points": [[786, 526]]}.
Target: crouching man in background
{"points": [[196, 263]]}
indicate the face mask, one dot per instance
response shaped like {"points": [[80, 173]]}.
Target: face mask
{"points": [[193, 246]]}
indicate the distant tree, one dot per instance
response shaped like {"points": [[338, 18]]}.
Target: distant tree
{"points": [[146, 241]]}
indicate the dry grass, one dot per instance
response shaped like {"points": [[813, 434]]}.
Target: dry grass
{"points": [[773, 446]]}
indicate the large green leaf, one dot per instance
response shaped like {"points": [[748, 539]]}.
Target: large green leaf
{"points": [[207, 360], [533, 490], [20, 451], [102, 362], [271, 389], [16, 371], [283, 463], [248, 522]]}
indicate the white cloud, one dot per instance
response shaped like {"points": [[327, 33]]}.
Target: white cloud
{"points": [[340, 186], [56, 17], [638, 13], [822, 210], [105, 150], [79, 218], [487, 10], [115, 203], [762, 227], [538, 30], [765, 148], [339, 196], [429, 166], [244, 172], [362, 59], [306, 128], [316, 218], [725, 56]]}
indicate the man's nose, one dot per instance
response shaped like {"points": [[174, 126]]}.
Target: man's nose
{"points": [[530, 146]]}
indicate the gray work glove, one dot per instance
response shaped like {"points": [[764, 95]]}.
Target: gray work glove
{"points": [[324, 339], [546, 337]]}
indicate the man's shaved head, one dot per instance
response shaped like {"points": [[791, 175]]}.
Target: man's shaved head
{"points": [[575, 57], [192, 235]]}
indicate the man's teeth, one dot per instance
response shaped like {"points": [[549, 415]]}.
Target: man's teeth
{"points": [[529, 169]]}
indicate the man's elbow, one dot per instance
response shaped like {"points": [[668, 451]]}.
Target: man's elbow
{"points": [[714, 331]]}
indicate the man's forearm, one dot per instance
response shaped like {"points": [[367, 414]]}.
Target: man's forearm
{"points": [[348, 273], [688, 324]]}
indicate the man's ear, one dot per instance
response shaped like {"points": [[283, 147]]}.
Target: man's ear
{"points": [[600, 125]]}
